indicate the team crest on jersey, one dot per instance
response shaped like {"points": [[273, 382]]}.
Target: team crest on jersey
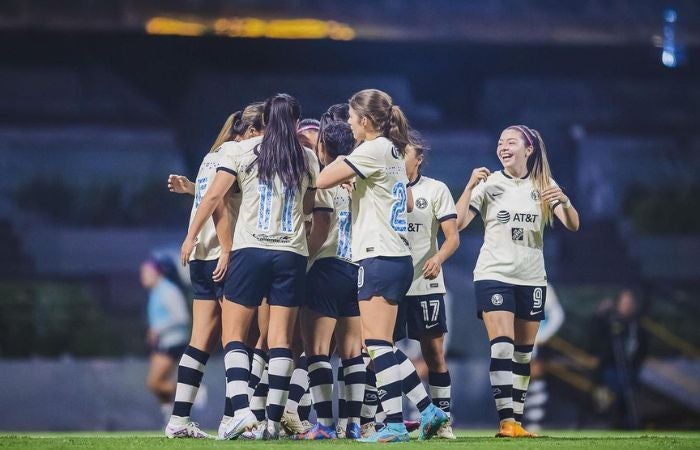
{"points": [[503, 216], [421, 203], [497, 299], [517, 234], [535, 195]]}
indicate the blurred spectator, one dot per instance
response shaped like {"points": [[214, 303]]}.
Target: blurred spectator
{"points": [[168, 330], [621, 345]]}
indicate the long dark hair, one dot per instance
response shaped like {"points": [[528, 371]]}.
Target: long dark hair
{"points": [[280, 153], [339, 111]]}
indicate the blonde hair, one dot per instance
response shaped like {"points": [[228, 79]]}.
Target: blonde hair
{"points": [[237, 123], [537, 166], [387, 118]]}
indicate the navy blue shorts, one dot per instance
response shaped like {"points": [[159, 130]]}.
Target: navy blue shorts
{"points": [[386, 276], [331, 288], [254, 273], [526, 302], [175, 352], [203, 287], [421, 315]]}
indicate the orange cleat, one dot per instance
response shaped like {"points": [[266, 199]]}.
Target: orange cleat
{"points": [[513, 429]]}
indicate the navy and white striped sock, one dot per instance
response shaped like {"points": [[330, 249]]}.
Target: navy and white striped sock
{"points": [[354, 376], [298, 385], [305, 405], [370, 399], [342, 401], [257, 403], [259, 360], [280, 372], [189, 377], [237, 374], [388, 378], [321, 385], [441, 390], [501, 376], [521, 378], [411, 385]]}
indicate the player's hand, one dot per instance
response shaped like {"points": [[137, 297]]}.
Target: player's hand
{"points": [[431, 268], [221, 267], [478, 175], [187, 249], [179, 184], [553, 195]]}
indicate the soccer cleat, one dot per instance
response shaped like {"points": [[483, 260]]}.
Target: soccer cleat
{"points": [[445, 431], [257, 433], [367, 429], [512, 429], [306, 425], [353, 431], [524, 432], [392, 432], [431, 419], [318, 432], [222, 427], [188, 430], [270, 435], [340, 432], [239, 424], [411, 425], [291, 423]]}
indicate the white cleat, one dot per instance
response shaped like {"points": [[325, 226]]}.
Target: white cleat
{"points": [[445, 431], [257, 433], [340, 432], [292, 423], [189, 430], [238, 425], [368, 429], [306, 425], [222, 427]]}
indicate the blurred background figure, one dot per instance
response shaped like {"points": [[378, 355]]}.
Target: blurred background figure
{"points": [[538, 394], [621, 345], [168, 328]]}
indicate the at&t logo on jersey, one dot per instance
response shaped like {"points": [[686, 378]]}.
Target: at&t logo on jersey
{"points": [[503, 216], [421, 203], [497, 299], [415, 227]]}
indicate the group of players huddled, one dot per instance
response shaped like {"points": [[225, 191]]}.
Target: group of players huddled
{"points": [[309, 238]]}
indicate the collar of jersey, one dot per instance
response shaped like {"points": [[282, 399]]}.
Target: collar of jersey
{"points": [[413, 183], [509, 177]]}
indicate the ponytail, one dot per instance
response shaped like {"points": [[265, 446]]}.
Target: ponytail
{"points": [[399, 131], [226, 134]]}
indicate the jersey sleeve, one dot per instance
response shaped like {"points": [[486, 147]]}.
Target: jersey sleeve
{"points": [[228, 161], [555, 203], [444, 205], [324, 200], [365, 160], [314, 167], [478, 200]]}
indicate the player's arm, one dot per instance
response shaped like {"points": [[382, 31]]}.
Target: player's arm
{"points": [[432, 267], [563, 209], [224, 232], [222, 182], [409, 199], [309, 198], [465, 213], [320, 227], [180, 184], [334, 174]]}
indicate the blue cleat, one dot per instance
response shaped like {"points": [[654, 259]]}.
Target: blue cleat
{"points": [[319, 432], [353, 431], [431, 419], [392, 432]]}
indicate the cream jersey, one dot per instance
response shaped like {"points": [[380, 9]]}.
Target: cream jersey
{"points": [[432, 205], [271, 217], [379, 224], [336, 201], [513, 236], [207, 246]]}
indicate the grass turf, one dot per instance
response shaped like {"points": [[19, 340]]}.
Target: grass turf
{"points": [[471, 439]]}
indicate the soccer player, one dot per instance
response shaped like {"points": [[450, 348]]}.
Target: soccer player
{"points": [[208, 263], [380, 201], [277, 178], [331, 300], [422, 315], [510, 281]]}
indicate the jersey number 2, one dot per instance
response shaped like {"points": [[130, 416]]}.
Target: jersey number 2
{"points": [[398, 208]]}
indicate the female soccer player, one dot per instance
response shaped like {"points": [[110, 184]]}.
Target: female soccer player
{"points": [[510, 282], [208, 263], [379, 205], [423, 309], [331, 300], [277, 178]]}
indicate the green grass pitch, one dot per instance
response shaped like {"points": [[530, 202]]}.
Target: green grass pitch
{"points": [[468, 439]]}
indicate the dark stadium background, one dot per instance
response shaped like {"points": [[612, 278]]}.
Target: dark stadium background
{"points": [[99, 103]]}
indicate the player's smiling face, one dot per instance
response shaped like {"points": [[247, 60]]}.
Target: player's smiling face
{"points": [[512, 150]]}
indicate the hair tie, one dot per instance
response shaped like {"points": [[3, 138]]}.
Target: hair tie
{"points": [[523, 129], [308, 127]]}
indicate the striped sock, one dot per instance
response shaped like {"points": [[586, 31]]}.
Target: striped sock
{"points": [[280, 371], [354, 375], [189, 377], [501, 376], [237, 374], [521, 378], [370, 399], [411, 385], [342, 401], [321, 385], [388, 378], [441, 390], [305, 405], [257, 366], [257, 403], [298, 385]]}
